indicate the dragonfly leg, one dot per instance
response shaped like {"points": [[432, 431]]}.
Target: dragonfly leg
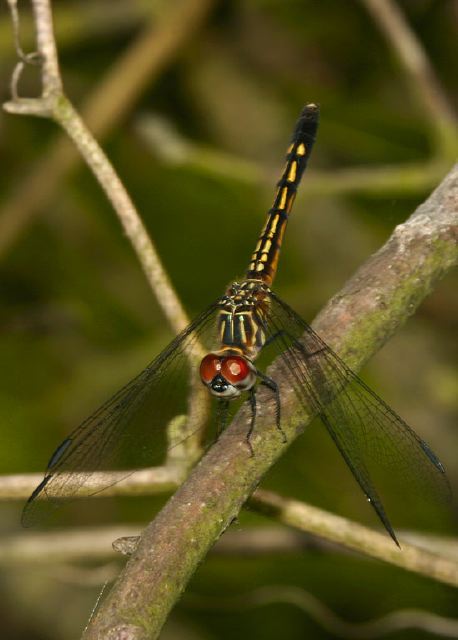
{"points": [[272, 385]]}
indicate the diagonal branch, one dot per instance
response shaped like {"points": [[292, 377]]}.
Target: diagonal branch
{"points": [[356, 537], [417, 68], [381, 295], [54, 104], [142, 62]]}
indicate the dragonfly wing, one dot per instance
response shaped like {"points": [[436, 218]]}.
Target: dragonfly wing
{"points": [[368, 433], [128, 431]]}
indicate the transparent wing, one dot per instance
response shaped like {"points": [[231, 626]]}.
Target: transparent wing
{"points": [[369, 435], [128, 431]]}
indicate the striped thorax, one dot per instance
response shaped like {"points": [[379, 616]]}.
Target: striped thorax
{"points": [[242, 317]]}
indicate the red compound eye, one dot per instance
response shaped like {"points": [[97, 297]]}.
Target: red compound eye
{"points": [[210, 367], [235, 369]]}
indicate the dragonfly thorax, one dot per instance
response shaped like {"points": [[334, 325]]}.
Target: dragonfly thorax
{"points": [[242, 317], [227, 373]]}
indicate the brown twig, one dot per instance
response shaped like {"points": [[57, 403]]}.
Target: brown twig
{"points": [[356, 537], [381, 295], [60, 546], [142, 63], [96, 543], [140, 482], [419, 71], [307, 528], [54, 104]]}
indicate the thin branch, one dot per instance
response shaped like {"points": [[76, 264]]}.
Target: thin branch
{"points": [[325, 617], [46, 45], [381, 295], [61, 546], [419, 71], [356, 537], [138, 483], [54, 104], [84, 577], [402, 179], [96, 543], [142, 63], [134, 228]]}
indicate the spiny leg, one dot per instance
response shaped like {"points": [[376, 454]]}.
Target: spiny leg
{"points": [[273, 386]]}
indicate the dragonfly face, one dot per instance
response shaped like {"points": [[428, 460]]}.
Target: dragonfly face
{"points": [[227, 374]]}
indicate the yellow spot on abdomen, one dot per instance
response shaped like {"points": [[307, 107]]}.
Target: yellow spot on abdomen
{"points": [[273, 226], [292, 171], [301, 149], [284, 193]]}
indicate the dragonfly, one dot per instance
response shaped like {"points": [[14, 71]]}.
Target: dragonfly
{"points": [[248, 320]]}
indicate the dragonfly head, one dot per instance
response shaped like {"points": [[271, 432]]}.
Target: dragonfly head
{"points": [[227, 374]]}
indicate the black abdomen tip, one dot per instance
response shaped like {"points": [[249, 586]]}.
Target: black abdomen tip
{"points": [[310, 111], [307, 123]]}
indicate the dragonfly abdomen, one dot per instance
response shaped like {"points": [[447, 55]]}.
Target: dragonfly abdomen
{"points": [[264, 261]]}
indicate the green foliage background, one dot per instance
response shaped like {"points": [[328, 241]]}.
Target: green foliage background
{"points": [[78, 318]]}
